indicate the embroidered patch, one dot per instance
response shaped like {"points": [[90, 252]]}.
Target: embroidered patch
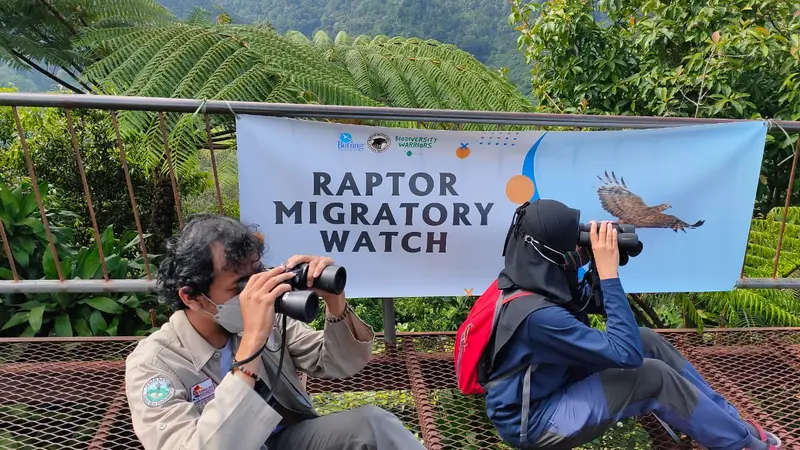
{"points": [[157, 391], [203, 391]]}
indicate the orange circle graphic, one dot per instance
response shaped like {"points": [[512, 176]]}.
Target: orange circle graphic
{"points": [[519, 189]]}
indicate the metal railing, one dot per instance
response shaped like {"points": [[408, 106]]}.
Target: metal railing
{"points": [[113, 104]]}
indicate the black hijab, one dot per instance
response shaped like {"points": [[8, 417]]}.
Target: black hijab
{"points": [[556, 226]]}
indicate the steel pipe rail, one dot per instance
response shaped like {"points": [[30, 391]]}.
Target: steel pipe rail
{"points": [[179, 105], [76, 286], [131, 286]]}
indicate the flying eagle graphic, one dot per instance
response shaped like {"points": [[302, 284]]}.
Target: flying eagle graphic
{"points": [[627, 207]]}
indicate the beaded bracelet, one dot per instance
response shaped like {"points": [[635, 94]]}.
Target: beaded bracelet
{"points": [[347, 308], [246, 372]]}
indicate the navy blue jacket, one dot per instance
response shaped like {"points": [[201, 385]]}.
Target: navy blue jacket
{"points": [[566, 351]]}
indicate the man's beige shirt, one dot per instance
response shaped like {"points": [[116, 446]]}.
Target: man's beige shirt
{"points": [[179, 400]]}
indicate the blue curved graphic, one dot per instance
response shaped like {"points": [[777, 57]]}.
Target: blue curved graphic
{"points": [[528, 171], [527, 167]]}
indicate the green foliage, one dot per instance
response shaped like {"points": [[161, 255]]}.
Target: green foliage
{"points": [[763, 307], [698, 58], [54, 159], [201, 58], [67, 314], [37, 35], [235, 62], [476, 26], [745, 307], [50, 145], [25, 231], [414, 73]]}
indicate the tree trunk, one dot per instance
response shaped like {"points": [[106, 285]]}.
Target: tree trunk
{"points": [[162, 211]]}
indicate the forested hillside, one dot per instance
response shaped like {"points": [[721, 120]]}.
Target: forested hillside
{"points": [[479, 27]]}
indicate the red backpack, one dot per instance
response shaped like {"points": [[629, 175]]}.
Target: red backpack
{"points": [[473, 337]]}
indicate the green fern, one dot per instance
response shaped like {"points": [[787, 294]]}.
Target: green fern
{"points": [[410, 72], [205, 60], [38, 35], [753, 307]]}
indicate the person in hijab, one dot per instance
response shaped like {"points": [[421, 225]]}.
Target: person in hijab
{"points": [[557, 383]]}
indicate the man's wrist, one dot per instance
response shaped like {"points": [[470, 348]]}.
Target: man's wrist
{"points": [[246, 375], [336, 306], [338, 318], [250, 344]]}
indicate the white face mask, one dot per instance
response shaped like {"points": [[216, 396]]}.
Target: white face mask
{"points": [[229, 315]]}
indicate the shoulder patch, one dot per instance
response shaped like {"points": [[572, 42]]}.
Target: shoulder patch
{"points": [[157, 391], [202, 391]]}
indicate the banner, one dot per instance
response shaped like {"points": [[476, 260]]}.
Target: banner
{"points": [[414, 213]]}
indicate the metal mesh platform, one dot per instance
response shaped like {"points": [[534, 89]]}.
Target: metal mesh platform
{"points": [[68, 394]]}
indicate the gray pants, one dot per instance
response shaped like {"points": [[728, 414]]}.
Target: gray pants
{"points": [[364, 428]]}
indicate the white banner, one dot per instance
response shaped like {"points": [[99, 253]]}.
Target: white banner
{"points": [[415, 213]]}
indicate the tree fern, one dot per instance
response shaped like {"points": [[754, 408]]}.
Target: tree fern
{"points": [[410, 71], [208, 61], [201, 59], [38, 35]]}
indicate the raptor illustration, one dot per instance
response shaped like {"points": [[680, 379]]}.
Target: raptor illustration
{"points": [[627, 207]]}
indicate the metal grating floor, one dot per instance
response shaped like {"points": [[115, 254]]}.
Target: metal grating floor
{"points": [[68, 394]]}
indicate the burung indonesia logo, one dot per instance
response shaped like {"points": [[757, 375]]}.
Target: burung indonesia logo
{"points": [[346, 144]]}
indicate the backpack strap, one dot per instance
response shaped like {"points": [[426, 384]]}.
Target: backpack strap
{"points": [[526, 381], [498, 305], [526, 406]]}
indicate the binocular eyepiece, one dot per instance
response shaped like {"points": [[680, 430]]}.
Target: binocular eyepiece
{"points": [[627, 240], [301, 303]]}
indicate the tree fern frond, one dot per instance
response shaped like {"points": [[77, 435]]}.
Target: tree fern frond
{"points": [[356, 64], [687, 307], [196, 79], [322, 40], [136, 53], [792, 215], [752, 302], [297, 38], [180, 57], [343, 39], [129, 13], [362, 40], [411, 72], [199, 17]]}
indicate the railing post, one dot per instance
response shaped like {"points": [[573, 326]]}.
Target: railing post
{"points": [[789, 191], [389, 325]]}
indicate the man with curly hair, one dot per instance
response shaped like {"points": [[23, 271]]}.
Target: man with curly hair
{"points": [[205, 381]]}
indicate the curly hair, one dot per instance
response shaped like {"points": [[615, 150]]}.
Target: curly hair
{"points": [[189, 261]]}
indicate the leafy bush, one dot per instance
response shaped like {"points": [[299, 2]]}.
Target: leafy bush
{"points": [[65, 314], [25, 230], [693, 58]]}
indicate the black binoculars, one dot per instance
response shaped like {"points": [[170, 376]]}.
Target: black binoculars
{"points": [[301, 303], [627, 240]]}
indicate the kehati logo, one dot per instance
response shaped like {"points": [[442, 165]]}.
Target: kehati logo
{"points": [[346, 144], [379, 142]]}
